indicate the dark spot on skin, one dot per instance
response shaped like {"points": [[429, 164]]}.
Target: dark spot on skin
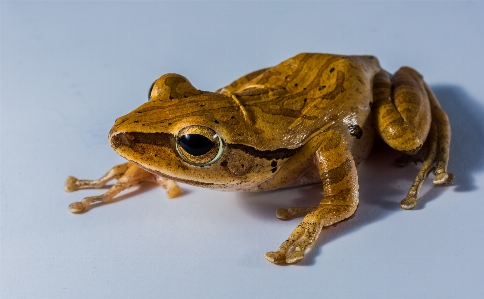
{"points": [[242, 165], [171, 98], [331, 70], [223, 164], [143, 125], [233, 117], [169, 124], [140, 111], [185, 96], [355, 131], [202, 105], [136, 121], [216, 121], [371, 105], [305, 99], [295, 84], [274, 169], [322, 87], [273, 163]]}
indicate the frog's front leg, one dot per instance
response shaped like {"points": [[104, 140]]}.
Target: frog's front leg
{"points": [[128, 174], [74, 184], [340, 183]]}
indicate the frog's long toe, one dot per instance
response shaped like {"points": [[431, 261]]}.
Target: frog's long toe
{"points": [[408, 203], [77, 207], [276, 257], [291, 213], [71, 184], [444, 178], [295, 257], [172, 189]]}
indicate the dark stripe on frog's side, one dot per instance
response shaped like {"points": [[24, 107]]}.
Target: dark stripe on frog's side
{"points": [[313, 84], [168, 140], [278, 154]]}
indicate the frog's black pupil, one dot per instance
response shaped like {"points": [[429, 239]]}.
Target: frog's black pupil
{"points": [[196, 144], [149, 92]]}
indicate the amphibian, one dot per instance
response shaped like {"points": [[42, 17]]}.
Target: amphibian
{"points": [[310, 119]]}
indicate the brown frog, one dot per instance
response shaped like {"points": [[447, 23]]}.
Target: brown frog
{"points": [[310, 119]]}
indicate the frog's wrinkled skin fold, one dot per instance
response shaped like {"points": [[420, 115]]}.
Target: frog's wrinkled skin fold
{"points": [[310, 119]]}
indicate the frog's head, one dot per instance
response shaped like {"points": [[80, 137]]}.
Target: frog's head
{"points": [[192, 136]]}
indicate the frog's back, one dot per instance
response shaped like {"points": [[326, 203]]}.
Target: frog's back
{"points": [[306, 94]]}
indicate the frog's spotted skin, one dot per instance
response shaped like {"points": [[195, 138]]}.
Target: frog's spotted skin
{"points": [[311, 118]]}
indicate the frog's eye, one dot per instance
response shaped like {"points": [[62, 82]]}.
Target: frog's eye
{"points": [[199, 145], [150, 91]]}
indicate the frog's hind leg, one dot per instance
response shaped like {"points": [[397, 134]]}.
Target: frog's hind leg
{"points": [[128, 174], [440, 119], [430, 147], [409, 117], [340, 183]]}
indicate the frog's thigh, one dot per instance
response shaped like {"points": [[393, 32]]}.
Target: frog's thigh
{"points": [[401, 109], [340, 183]]}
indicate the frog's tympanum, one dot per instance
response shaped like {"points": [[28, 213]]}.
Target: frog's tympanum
{"points": [[310, 119]]}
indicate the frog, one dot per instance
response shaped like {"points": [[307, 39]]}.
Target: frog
{"points": [[312, 118]]}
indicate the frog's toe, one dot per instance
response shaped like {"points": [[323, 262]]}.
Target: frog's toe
{"points": [[444, 178], [283, 214], [291, 213], [295, 257], [71, 184], [172, 189], [276, 257], [408, 203], [77, 207]]}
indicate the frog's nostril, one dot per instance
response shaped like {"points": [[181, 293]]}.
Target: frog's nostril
{"points": [[129, 137]]}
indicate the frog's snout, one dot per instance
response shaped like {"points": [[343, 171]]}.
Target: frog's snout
{"points": [[122, 139], [131, 139]]}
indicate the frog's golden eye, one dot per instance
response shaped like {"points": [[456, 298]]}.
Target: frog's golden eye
{"points": [[151, 90], [199, 145]]}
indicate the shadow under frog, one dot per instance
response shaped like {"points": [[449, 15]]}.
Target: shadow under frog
{"points": [[378, 202]]}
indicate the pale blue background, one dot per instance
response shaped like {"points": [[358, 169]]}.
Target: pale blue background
{"points": [[69, 69]]}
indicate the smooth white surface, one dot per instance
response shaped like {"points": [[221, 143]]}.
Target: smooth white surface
{"points": [[68, 70]]}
